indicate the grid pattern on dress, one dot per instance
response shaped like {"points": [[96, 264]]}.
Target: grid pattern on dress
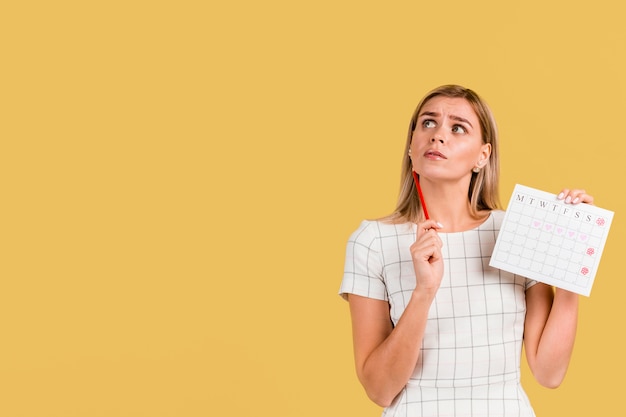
{"points": [[483, 400], [550, 241], [473, 337]]}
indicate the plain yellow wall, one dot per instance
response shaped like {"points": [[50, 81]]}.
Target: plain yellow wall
{"points": [[178, 180]]}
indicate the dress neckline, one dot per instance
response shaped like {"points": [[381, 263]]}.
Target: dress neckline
{"points": [[489, 216]]}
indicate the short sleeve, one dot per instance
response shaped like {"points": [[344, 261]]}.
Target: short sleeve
{"points": [[529, 283], [363, 271]]}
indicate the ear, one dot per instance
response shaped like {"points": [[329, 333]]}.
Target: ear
{"points": [[485, 153]]}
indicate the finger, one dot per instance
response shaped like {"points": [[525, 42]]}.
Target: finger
{"points": [[437, 244], [430, 240], [575, 196], [563, 194], [580, 196], [428, 225], [427, 246]]}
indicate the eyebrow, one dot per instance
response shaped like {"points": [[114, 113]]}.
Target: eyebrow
{"points": [[453, 117]]}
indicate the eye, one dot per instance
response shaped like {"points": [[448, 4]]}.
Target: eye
{"points": [[428, 123], [458, 129]]}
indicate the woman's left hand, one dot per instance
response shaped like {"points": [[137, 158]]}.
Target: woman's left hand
{"points": [[575, 196]]}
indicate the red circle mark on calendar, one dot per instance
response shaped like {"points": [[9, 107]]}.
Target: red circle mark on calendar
{"points": [[600, 221], [584, 270]]}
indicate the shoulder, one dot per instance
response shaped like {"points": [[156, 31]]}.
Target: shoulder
{"points": [[370, 231], [494, 221]]}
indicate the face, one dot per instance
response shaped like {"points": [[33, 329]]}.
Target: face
{"points": [[447, 140]]}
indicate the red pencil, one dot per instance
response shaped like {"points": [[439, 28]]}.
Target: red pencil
{"points": [[419, 192]]}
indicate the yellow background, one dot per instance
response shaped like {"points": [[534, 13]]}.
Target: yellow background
{"points": [[178, 180]]}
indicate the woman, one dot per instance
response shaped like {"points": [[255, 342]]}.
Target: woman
{"points": [[436, 330]]}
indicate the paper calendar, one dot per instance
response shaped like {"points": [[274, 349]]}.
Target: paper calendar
{"points": [[543, 238]]}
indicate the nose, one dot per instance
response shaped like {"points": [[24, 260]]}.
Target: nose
{"points": [[437, 138]]}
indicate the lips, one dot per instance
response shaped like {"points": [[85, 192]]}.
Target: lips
{"points": [[433, 154]]}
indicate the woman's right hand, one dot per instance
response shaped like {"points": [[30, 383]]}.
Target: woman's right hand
{"points": [[427, 258]]}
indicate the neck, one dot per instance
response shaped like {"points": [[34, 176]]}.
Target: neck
{"points": [[448, 203]]}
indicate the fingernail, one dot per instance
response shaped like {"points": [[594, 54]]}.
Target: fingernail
{"points": [[439, 224], [568, 199], [576, 200], [560, 196]]}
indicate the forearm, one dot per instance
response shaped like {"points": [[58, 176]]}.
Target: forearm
{"points": [[388, 368], [557, 340]]}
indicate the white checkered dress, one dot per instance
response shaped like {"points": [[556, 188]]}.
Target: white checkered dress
{"points": [[469, 363]]}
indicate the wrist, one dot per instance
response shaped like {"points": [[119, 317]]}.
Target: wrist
{"points": [[424, 295]]}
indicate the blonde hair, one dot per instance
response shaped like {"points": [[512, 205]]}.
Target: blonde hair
{"points": [[483, 188]]}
